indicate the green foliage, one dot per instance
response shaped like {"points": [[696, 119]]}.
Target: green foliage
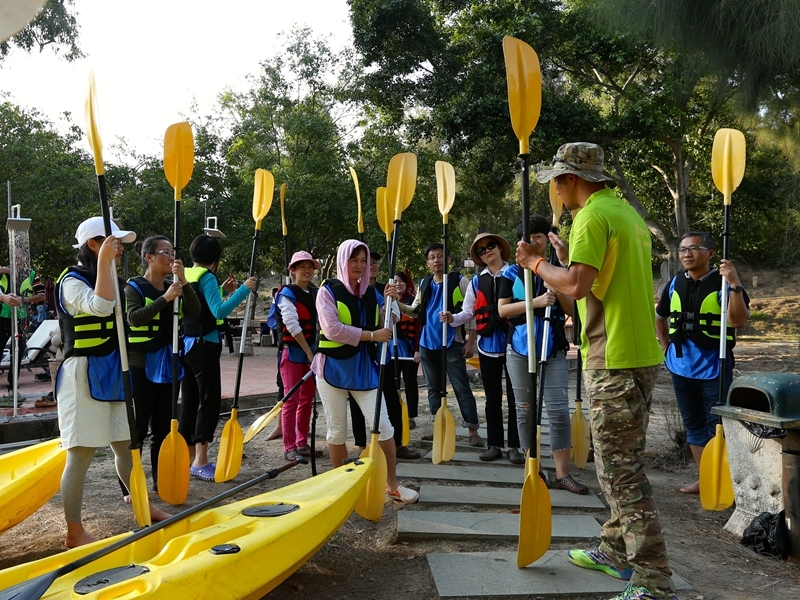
{"points": [[56, 26]]}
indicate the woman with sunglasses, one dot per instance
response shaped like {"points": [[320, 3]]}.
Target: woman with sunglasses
{"points": [[556, 398], [91, 398], [149, 301], [490, 252]]}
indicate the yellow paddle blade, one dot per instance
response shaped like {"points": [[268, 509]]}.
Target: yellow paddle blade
{"points": [[474, 362], [449, 448], [178, 156], [526, 468], [384, 214], [283, 212], [406, 438], [370, 503], [535, 518], [556, 203], [581, 435], [92, 128], [140, 501], [524, 79], [358, 200], [444, 435], [445, 187], [173, 467], [716, 485], [727, 161], [231, 448], [261, 422], [263, 190], [401, 182]]}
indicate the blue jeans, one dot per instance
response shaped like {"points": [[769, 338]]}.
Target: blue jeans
{"points": [[457, 372], [695, 398]]}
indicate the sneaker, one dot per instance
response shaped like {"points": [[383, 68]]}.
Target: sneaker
{"points": [[404, 495], [490, 454], [569, 484], [412, 424], [598, 560], [632, 592]]}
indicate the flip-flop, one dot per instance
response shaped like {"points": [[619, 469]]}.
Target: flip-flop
{"points": [[206, 472]]}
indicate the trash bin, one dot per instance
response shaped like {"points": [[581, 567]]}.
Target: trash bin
{"points": [[761, 420], [791, 501]]}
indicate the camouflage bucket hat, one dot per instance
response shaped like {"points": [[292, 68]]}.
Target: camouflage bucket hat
{"points": [[579, 158]]}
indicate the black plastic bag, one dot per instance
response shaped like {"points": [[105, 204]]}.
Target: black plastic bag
{"points": [[765, 432], [767, 535]]}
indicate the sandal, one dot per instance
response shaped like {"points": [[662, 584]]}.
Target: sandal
{"points": [[206, 472], [476, 441], [306, 451], [569, 484]]}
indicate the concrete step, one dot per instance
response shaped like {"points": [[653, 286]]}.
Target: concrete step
{"points": [[464, 432], [474, 458], [496, 575], [484, 497], [460, 473], [465, 447]]}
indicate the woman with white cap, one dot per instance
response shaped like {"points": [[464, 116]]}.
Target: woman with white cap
{"points": [[297, 319], [91, 407]]}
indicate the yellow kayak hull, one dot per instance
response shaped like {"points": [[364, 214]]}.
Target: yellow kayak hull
{"points": [[29, 478], [179, 559]]}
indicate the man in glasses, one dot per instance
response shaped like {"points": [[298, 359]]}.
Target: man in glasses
{"points": [[427, 306], [688, 328], [491, 252], [609, 273]]}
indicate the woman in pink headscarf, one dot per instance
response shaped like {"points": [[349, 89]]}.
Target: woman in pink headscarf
{"points": [[351, 324]]}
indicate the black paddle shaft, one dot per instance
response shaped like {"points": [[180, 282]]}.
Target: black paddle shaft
{"points": [[176, 384], [35, 588], [376, 420], [286, 257], [121, 337], [245, 322], [723, 358], [533, 415]]}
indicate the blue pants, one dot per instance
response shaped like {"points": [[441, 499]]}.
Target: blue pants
{"points": [[457, 372], [695, 398]]}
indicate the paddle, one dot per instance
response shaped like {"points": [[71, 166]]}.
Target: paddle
{"points": [[400, 185], [358, 200], [231, 443], [261, 422], [385, 221], [579, 426], [524, 81], [173, 457], [36, 588], [137, 486], [444, 427], [727, 168], [288, 279]]}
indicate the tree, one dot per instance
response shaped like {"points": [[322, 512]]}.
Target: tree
{"points": [[56, 27]]}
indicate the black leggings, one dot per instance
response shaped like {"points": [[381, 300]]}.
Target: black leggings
{"points": [[201, 393]]}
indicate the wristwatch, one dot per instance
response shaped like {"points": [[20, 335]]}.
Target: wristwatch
{"points": [[736, 289]]}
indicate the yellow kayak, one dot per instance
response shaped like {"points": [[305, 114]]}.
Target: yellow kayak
{"points": [[29, 478], [241, 550]]}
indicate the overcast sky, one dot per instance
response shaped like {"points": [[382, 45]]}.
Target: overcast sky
{"points": [[153, 58]]}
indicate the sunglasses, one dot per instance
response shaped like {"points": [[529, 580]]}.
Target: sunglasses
{"points": [[484, 249]]}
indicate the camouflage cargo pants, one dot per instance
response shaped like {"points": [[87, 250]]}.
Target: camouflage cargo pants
{"points": [[619, 400]]}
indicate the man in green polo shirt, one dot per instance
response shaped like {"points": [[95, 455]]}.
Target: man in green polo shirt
{"points": [[608, 271], [30, 292]]}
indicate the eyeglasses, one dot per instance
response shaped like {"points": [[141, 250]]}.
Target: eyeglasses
{"points": [[690, 249], [487, 248], [167, 253], [435, 257]]}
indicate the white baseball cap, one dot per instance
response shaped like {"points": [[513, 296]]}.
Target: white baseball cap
{"points": [[94, 227]]}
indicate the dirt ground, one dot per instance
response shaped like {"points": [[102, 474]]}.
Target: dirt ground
{"points": [[363, 560]]}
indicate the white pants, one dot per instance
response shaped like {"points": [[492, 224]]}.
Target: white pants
{"points": [[334, 401]]}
